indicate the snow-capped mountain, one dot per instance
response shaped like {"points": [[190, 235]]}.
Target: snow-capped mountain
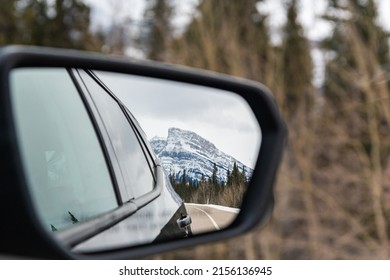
{"points": [[186, 150]]}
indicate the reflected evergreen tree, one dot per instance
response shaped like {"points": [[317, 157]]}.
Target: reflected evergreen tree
{"points": [[228, 178], [235, 175]]}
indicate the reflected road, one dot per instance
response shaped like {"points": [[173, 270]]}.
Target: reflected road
{"points": [[206, 217]]}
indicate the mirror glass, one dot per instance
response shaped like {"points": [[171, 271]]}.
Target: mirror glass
{"points": [[114, 160]]}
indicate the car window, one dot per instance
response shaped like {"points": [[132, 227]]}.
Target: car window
{"points": [[144, 139], [136, 171], [64, 163]]}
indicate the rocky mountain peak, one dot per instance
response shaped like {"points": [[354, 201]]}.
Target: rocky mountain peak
{"points": [[186, 150]]}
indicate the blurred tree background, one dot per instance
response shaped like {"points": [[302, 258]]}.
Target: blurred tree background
{"points": [[58, 23], [334, 182]]}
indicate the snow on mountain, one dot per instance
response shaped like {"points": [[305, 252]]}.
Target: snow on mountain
{"points": [[186, 150], [158, 144]]}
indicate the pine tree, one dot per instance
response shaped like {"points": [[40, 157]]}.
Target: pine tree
{"points": [[159, 32], [297, 64], [235, 175], [8, 23], [184, 178], [355, 132], [228, 178], [363, 25], [243, 175], [214, 178], [59, 23], [202, 190], [230, 37]]}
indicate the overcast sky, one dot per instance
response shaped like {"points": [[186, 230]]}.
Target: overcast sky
{"points": [[219, 116]]}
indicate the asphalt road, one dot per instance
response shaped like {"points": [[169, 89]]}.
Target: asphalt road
{"points": [[210, 218]]}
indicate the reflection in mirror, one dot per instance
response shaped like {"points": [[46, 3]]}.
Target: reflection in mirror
{"points": [[207, 140], [173, 159]]}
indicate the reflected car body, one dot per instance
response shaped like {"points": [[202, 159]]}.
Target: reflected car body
{"points": [[83, 209]]}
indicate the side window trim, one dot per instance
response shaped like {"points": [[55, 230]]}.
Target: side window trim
{"points": [[129, 118], [150, 195], [146, 146], [151, 161], [104, 140]]}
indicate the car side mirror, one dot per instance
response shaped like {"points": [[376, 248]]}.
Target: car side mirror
{"points": [[83, 176]]}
